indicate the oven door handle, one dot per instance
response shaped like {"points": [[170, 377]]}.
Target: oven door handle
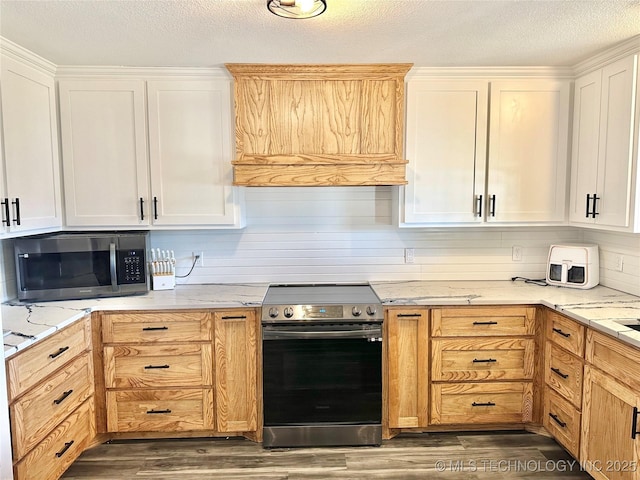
{"points": [[372, 335]]}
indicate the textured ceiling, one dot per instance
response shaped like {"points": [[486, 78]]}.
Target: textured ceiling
{"points": [[424, 32]]}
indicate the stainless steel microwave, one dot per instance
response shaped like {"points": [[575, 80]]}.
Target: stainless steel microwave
{"points": [[68, 266]]}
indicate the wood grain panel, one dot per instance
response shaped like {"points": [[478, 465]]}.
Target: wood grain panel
{"points": [[141, 366], [566, 333], [477, 403], [156, 327], [35, 414], [483, 321], [562, 420], [482, 359], [563, 373], [235, 350], [380, 116], [171, 410], [27, 368], [613, 357]]}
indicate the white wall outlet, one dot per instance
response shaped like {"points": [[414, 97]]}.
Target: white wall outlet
{"points": [[516, 253], [619, 263], [409, 255], [200, 261]]}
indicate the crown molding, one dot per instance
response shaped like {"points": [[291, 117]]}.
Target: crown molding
{"points": [[146, 72], [608, 55], [493, 73], [21, 54]]}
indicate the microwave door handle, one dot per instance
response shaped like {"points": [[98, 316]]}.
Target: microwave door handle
{"points": [[112, 267]]}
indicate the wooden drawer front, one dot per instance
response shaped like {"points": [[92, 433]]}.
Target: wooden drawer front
{"points": [[474, 403], [482, 359], [60, 448], [158, 366], [160, 410], [44, 407], [156, 327], [562, 420], [565, 332], [29, 367], [614, 357], [563, 373], [475, 322]]}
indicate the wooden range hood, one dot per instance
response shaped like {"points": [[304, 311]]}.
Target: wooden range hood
{"points": [[313, 125]]}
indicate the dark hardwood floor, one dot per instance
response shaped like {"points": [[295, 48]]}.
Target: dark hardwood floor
{"points": [[434, 456]]}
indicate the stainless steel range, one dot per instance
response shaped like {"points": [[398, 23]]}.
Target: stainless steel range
{"points": [[322, 365]]}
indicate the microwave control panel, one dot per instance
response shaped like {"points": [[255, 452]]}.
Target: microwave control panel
{"points": [[131, 266]]}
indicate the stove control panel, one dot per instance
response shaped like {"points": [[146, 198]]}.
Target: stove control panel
{"points": [[284, 313]]}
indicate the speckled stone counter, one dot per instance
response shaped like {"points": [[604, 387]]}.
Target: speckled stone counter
{"points": [[602, 308]]}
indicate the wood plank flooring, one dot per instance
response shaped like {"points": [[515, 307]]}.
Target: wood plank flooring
{"points": [[434, 456]]}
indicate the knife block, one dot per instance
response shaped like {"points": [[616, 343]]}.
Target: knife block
{"points": [[163, 281]]}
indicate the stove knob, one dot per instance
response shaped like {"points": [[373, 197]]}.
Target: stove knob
{"points": [[273, 312], [356, 312], [371, 310], [288, 312]]}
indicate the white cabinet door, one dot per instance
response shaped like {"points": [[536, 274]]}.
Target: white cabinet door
{"points": [[528, 141], [446, 149], [190, 152], [104, 153], [31, 162], [603, 191]]}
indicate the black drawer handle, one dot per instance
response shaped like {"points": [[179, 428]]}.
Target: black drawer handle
{"points": [[151, 329], [634, 423], [557, 420], [558, 372], [58, 401], [151, 412], [67, 446], [491, 322], [560, 332], [148, 367], [487, 404], [401, 315], [60, 351], [487, 360], [234, 317]]}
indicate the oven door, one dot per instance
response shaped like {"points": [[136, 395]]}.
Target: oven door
{"points": [[322, 375]]}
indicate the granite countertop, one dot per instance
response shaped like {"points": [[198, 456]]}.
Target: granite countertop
{"points": [[602, 308]]}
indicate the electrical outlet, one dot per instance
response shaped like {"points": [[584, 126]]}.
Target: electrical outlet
{"points": [[516, 253], [409, 255], [619, 263], [197, 258]]}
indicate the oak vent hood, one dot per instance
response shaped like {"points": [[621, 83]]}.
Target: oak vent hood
{"points": [[313, 125]]}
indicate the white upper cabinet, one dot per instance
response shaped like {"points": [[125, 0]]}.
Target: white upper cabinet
{"points": [[446, 148], [183, 179], [455, 178], [190, 150], [31, 184], [603, 185], [104, 153], [528, 156]]}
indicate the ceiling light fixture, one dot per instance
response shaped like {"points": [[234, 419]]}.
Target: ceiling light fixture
{"points": [[297, 8]]}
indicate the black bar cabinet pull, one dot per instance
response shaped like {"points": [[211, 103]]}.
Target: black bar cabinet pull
{"points": [[141, 208], [60, 351], [480, 205], [557, 420], [634, 424], [67, 446], [234, 317], [16, 203], [594, 210], [151, 412], [491, 322], [487, 360], [588, 210], [405, 315], [151, 329], [492, 208], [58, 401], [148, 367], [487, 404], [560, 332], [7, 216], [558, 372], [155, 208]]}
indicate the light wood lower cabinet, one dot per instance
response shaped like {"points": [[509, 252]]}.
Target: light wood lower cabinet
{"points": [[562, 420], [407, 371]]}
